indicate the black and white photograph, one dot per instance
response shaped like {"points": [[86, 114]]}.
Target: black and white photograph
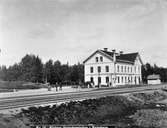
{"points": [[83, 63]]}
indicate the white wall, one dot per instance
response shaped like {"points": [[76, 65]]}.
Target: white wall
{"points": [[103, 74], [138, 66], [154, 81]]}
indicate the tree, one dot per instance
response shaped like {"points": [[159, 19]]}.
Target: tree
{"points": [[48, 69], [77, 73], [56, 73], [32, 68], [65, 73], [14, 72], [27, 63], [144, 74], [38, 70], [3, 73]]}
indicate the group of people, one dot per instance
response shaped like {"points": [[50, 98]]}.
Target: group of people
{"points": [[57, 85]]}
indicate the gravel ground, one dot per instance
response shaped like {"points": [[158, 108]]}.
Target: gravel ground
{"points": [[40, 91]]}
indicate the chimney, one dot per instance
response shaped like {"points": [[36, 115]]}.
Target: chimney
{"points": [[114, 55], [121, 52], [105, 49], [113, 50]]}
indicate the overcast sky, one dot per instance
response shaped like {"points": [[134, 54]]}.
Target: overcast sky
{"points": [[70, 30]]}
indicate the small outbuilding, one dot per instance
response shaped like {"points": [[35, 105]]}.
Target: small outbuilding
{"points": [[154, 79]]}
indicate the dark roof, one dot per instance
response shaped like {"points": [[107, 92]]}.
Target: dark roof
{"points": [[153, 77], [130, 57], [108, 52]]}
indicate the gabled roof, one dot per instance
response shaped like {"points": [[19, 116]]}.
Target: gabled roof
{"points": [[124, 58], [101, 52]]}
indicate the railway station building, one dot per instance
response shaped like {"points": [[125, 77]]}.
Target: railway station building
{"points": [[110, 68]]}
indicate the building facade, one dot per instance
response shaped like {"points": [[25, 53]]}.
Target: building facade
{"points": [[109, 68]]}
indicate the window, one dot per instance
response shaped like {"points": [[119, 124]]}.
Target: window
{"points": [[131, 69], [107, 68], [128, 69], [98, 69], [139, 69], [91, 69], [122, 79], [91, 79], [118, 79], [107, 79], [135, 69], [118, 68], [135, 79], [125, 68], [101, 58], [122, 68], [125, 79], [97, 59]]}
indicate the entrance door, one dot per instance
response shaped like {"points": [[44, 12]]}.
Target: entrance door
{"points": [[107, 81], [99, 81], [135, 80], [91, 80]]}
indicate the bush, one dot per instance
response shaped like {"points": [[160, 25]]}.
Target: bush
{"points": [[150, 118], [150, 97]]}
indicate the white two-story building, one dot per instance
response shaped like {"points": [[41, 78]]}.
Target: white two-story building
{"points": [[110, 68]]}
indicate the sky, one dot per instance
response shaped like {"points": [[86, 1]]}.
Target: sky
{"points": [[71, 30]]}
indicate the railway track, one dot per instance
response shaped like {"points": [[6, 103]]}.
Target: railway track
{"points": [[32, 100]]}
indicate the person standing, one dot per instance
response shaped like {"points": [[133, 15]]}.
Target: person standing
{"points": [[56, 85], [60, 86]]}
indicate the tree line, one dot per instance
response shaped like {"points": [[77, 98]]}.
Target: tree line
{"points": [[32, 69]]}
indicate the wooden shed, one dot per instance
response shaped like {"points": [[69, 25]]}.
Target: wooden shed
{"points": [[154, 79]]}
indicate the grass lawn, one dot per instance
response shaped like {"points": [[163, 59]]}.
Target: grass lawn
{"points": [[9, 86]]}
